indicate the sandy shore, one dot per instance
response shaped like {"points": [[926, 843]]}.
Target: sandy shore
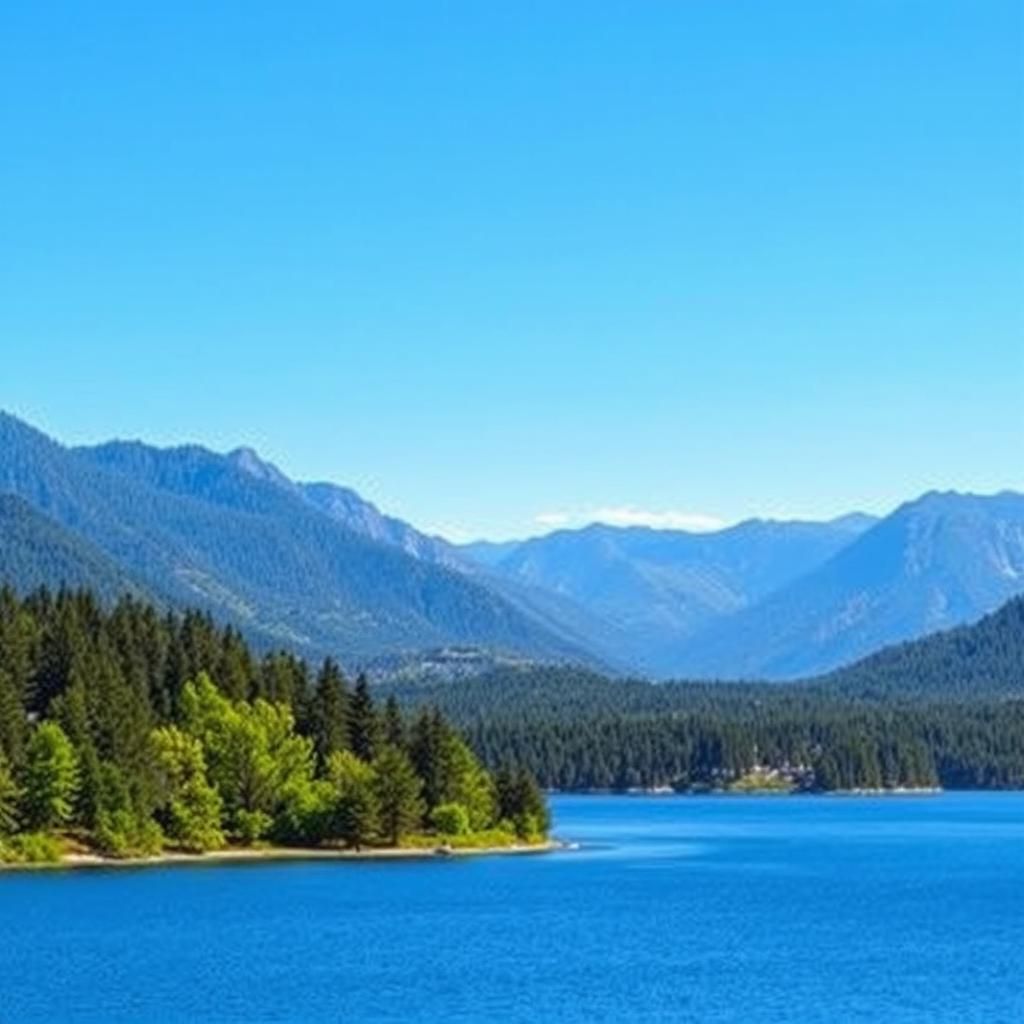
{"points": [[73, 861]]}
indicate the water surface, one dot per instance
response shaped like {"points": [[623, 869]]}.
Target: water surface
{"points": [[757, 909]]}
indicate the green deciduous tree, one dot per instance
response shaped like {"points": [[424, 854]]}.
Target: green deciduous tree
{"points": [[51, 778], [190, 805], [254, 756]]}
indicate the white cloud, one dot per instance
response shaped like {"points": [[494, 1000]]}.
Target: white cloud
{"points": [[553, 519], [629, 515]]}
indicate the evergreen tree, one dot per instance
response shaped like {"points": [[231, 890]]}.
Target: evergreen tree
{"points": [[9, 797], [393, 725], [357, 807], [363, 725], [398, 791], [329, 712]]}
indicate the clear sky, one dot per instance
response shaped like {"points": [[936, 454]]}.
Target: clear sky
{"points": [[505, 265]]}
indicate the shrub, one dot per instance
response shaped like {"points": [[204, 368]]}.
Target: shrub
{"points": [[450, 819], [33, 848], [123, 834]]}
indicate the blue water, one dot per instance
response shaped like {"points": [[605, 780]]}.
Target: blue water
{"points": [[675, 909]]}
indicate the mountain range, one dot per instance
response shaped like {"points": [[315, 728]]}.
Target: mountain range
{"points": [[316, 567]]}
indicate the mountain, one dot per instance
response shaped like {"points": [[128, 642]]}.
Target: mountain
{"points": [[355, 513], [203, 529], [982, 659], [940, 561], [316, 567], [652, 589], [35, 551]]}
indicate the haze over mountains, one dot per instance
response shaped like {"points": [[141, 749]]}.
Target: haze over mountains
{"points": [[314, 566]]}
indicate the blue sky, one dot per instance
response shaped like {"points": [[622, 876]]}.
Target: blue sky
{"points": [[506, 265]]}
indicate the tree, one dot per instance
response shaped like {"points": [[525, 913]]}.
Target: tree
{"points": [[521, 802], [51, 778], [471, 786], [191, 805], [329, 712], [393, 726], [398, 791], [254, 756], [357, 807], [13, 724], [363, 725], [9, 795]]}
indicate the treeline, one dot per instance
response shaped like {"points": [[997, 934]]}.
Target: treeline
{"points": [[126, 730], [983, 659], [576, 730]]}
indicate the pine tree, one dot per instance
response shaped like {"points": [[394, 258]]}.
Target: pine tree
{"points": [[363, 724], [393, 725], [9, 797], [398, 793], [329, 721]]}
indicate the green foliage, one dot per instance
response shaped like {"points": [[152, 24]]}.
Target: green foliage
{"points": [[329, 712], [521, 803], [357, 807], [364, 727], [450, 819], [252, 826], [575, 730], [256, 760], [10, 794], [191, 806], [398, 789], [123, 834], [133, 727], [51, 778], [31, 848]]}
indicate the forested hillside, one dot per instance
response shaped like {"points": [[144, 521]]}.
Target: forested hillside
{"points": [[984, 659], [575, 730], [947, 710], [127, 730], [36, 551], [202, 530]]}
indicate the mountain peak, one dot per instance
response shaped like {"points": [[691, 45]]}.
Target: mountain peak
{"points": [[249, 461]]}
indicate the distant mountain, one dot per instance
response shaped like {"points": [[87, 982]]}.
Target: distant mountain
{"points": [[651, 590], [316, 567], [982, 659], [35, 551], [206, 529], [573, 623], [937, 562], [352, 511]]}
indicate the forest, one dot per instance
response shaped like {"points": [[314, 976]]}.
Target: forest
{"points": [[576, 730], [125, 731]]}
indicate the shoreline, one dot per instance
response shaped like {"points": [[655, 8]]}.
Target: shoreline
{"points": [[228, 857], [666, 791]]}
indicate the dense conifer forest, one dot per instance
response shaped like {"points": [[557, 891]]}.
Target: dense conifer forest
{"points": [[125, 731], [575, 729]]}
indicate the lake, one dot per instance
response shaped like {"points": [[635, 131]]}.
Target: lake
{"points": [[675, 909]]}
